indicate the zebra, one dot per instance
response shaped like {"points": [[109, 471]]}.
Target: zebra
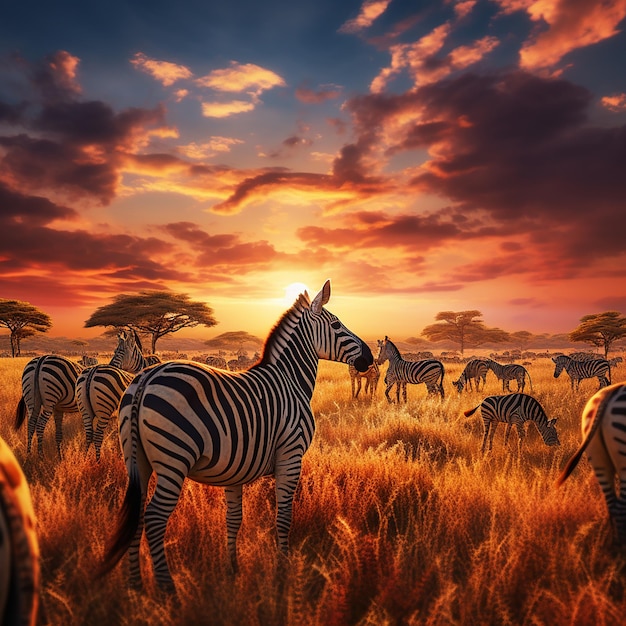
{"points": [[514, 409], [429, 371], [19, 547], [48, 388], [508, 372], [603, 426], [217, 361], [371, 376], [100, 388], [475, 369], [615, 361], [88, 361], [187, 420], [578, 370], [584, 356]]}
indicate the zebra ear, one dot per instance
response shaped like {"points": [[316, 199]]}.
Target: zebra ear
{"points": [[552, 422], [321, 298]]}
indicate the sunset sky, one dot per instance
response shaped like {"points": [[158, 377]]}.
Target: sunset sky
{"points": [[423, 155]]}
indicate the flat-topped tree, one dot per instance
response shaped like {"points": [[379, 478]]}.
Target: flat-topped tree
{"points": [[156, 313], [600, 330], [23, 320]]}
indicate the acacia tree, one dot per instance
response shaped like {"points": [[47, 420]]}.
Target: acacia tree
{"points": [[465, 328], [23, 320], [600, 330], [235, 338], [156, 313]]}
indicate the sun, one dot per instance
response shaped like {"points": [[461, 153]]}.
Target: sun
{"points": [[292, 291]]}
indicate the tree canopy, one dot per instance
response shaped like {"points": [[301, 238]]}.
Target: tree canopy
{"points": [[233, 340], [156, 313], [600, 330], [464, 328], [23, 320]]}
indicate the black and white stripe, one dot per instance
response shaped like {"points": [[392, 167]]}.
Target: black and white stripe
{"points": [[19, 547], [579, 370], [187, 420], [429, 371], [514, 410], [48, 389], [475, 370], [508, 372], [99, 389], [603, 426]]}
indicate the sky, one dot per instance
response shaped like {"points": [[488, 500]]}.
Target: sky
{"points": [[425, 156]]}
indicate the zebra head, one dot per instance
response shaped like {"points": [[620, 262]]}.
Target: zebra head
{"points": [[559, 362], [383, 353], [128, 347], [458, 384], [549, 433], [332, 340]]}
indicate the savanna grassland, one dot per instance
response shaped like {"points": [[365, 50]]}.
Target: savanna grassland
{"points": [[399, 519]]}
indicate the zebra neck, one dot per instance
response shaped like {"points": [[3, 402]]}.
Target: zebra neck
{"points": [[394, 355]]}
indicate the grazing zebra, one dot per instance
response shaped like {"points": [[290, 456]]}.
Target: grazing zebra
{"points": [[217, 361], [19, 548], [88, 361], [371, 376], [99, 389], [578, 370], [476, 370], [48, 388], [514, 410], [615, 361], [508, 372], [603, 426], [429, 371], [187, 420]]}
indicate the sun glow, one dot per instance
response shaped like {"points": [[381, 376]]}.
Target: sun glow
{"points": [[292, 291]]}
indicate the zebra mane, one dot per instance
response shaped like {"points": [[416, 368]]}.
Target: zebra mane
{"points": [[289, 318], [137, 340], [394, 348]]}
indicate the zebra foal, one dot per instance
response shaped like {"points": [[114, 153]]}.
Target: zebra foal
{"points": [[514, 410], [603, 426], [429, 371], [579, 370], [186, 420]]}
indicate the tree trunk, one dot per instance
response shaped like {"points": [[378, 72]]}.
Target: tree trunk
{"points": [[13, 342]]}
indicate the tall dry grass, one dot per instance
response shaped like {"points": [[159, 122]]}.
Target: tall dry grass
{"points": [[398, 520]]}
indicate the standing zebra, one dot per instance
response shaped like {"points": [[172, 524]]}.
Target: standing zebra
{"points": [[185, 419], [508, 372], [371, 376], [19, 548], [476, 370], [578, 370], [603, 428], [99, 389], [514, 410], [429, 371], [88, 361], [48, 388]]}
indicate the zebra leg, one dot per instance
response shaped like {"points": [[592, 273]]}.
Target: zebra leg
{"points": [[389, 386], [507, 432], [233, 521], [487, 428], [158, 511], [33, 421], [287, 475], [39, 428], [58, 435], [359, 382], [404, 392], [98, 437], [521, 432]]}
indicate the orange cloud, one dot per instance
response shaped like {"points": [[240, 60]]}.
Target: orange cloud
{"points": [[616, 103], [226, 109], [241, 78], [165, 72], [210, 148], [64, 67], [570, 25], [309, 96], [370, 11]]}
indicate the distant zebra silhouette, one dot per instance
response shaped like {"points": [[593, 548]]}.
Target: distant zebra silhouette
{"points": [[371, 376], [19, 548], [475, 370], [99, 389], [603, 426], [48, 389], [217, 361], [514, 410], [508, 372], [429, 371], [579, 370], [88, 361], [187, 420]]}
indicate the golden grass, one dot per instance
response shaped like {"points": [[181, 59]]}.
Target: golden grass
{"points": [[398, 520]]}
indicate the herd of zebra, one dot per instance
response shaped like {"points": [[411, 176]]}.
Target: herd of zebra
{"points": [[183, 419]]}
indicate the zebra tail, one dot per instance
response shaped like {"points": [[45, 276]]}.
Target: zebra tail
{"points": [[471, 411], [597, 419], [20, 414], [530, 381]]}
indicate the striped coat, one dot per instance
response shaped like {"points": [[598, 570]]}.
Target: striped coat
{"points": [[429, 371], [371, 376], [475, 370], [603, 427], [514, 410], [19, 547], [186, 420], [48, 389], [579, 370], [508, 372]]}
